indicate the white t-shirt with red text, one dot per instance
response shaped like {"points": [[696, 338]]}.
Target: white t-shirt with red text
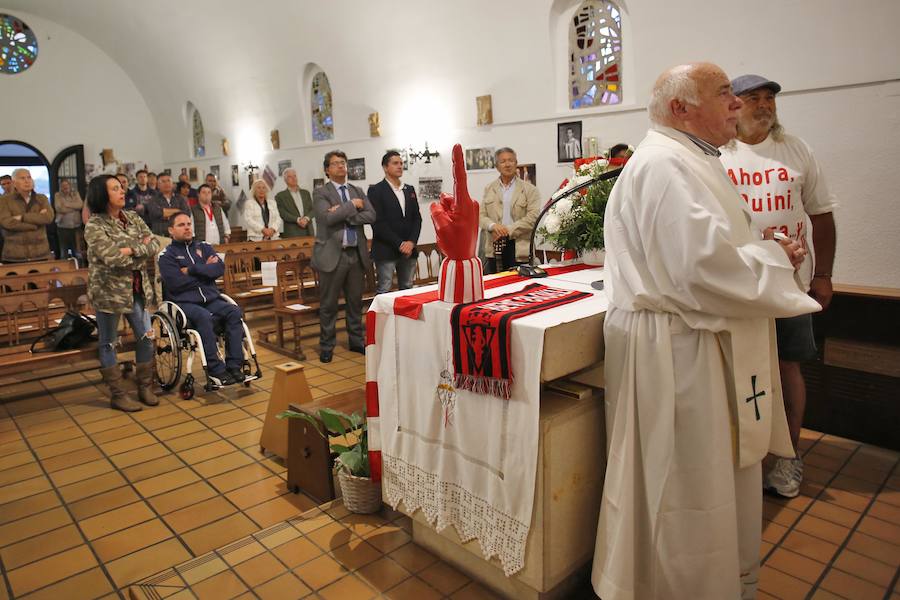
{"points": [[781, 182]]}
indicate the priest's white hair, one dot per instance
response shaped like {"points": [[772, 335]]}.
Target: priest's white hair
{"points": [[676, 83]]}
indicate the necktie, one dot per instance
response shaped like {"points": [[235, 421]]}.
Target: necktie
{"points": [[349, 232]]}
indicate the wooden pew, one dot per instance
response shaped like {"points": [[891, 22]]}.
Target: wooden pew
{"points": [[36, 281], [28, 314], [41, 266], [243, 279], [428, 264]]}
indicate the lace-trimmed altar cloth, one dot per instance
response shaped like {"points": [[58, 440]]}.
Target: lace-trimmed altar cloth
{"points": [[464, 459]]}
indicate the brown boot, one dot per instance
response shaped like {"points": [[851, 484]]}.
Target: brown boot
{"points": [[112, 377], [144, 376]]}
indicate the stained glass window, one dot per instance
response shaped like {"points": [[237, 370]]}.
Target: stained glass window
{"points": [[18, 45], [322, 119], [199, 137], [595, 55]]}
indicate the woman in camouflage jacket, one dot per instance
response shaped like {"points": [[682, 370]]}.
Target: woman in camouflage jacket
{"points": [[120, 249]]}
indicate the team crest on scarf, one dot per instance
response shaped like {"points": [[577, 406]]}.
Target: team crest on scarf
{"points": [[482, 331]]}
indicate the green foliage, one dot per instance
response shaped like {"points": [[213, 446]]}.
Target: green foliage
{"points": [[582, 227], [353, 458]]}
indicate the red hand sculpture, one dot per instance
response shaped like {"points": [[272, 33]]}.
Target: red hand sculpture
{"points": [[456, 217]]}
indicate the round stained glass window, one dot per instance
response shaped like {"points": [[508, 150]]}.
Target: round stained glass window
{"points": [[18, 45]]}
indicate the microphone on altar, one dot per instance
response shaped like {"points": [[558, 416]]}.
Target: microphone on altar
{"points": [[553, 200]]}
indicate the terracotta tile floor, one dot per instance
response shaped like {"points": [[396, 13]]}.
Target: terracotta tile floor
{"points": [[179, 499]]}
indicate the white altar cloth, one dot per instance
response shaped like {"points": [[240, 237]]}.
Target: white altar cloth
{"points": [[476, 469]]}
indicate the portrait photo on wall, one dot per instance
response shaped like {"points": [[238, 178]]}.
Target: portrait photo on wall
{"points": [[479, 159], [235, 176], [192, 175], [568, 136], [283, 165], [430, 188], [356, 169], [527, 173], [214, 170], [318, 182]]}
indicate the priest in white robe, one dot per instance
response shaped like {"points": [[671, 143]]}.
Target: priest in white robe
{"points": [[693, 395]]}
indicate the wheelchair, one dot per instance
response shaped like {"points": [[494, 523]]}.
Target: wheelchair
{"points": [[173, 336]]}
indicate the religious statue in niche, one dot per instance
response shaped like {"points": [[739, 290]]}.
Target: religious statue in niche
{"points": [[276, 139], [224, 146], [374, 125], [485, 110]]}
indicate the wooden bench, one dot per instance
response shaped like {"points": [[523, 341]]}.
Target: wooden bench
{"points": [[263, 245], [36, 281], [298, 284], [41, 266], [243, 279], [853, 385], [27, 315], [428, 264]]}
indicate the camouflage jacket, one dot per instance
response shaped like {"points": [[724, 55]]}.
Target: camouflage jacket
{"points": [[110, 272]]}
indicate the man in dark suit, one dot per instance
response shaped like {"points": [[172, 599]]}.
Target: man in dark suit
{"points": [[397, 226], [340, 254], [295, 207]]}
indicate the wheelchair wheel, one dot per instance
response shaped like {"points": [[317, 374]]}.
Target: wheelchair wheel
{"points": [[167, 351]]}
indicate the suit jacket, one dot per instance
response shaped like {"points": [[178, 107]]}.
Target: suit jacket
{"points": [[392, 227], [526, 205], [287, 208], [330, 225], [253, 219]]}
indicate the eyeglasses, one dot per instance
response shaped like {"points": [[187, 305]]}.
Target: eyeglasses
{"points": [[337, 163]]}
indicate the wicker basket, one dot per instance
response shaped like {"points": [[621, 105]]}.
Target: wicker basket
{"points": [[361, 494]]}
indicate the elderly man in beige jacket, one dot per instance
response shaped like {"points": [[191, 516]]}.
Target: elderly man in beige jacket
{"points": [[509, 210]]}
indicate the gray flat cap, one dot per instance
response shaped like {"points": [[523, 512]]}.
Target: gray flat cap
{"points": [[748, 83]]}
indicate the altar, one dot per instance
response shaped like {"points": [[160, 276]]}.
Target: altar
{"points": [[508, 490]]}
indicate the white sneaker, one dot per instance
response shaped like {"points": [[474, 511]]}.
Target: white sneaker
{"points": [[785, 477]]}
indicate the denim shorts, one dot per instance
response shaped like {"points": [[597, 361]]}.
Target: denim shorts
{"points": [[795, 338]]}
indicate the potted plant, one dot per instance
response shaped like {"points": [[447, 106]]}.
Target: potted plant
{"points": [[576, 222], [348, 440]]}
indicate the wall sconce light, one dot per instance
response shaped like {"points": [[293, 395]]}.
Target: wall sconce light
{"points": [[426, 154]]}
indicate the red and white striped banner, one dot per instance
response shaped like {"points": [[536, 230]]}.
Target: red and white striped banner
{"points": [[461, 280]]}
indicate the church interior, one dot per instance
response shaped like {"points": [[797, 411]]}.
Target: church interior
{"points": [[209, 494]]}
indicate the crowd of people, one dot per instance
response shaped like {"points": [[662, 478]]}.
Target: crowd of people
{"points": [[694, 277]]}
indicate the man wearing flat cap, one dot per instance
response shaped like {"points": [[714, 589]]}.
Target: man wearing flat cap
{"points": [[779, 178]]}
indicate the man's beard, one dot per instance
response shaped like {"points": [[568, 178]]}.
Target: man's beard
{"points": [[775, 129]]}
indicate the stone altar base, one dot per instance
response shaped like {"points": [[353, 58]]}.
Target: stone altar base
{"points": [[570, 471]]}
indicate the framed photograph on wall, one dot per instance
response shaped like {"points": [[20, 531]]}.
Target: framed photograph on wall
{"points": [[356, 169], [318, 182], [527, 173], [283, 165], [193, 175], [214, 169], [430, 189], [235, 176], [479, 159], [568, 139]]}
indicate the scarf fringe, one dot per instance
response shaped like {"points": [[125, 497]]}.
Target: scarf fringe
{"points": [[489, 386]]}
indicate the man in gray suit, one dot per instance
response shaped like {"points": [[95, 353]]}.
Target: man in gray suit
{"points": [[295, 207], [340, 254]]}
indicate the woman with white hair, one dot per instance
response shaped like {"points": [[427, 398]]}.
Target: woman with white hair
{"points": [[261, 216]]}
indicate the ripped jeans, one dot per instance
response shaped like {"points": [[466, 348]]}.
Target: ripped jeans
{"points": [[108, 334]]}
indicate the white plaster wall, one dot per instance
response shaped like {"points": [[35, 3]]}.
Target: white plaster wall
{"points": [[421, 65], [76, 94]]}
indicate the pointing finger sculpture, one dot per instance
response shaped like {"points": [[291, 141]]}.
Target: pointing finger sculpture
{"points": [[456, 226]]}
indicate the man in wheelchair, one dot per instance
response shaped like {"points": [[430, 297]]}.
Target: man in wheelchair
{"points": [[189, 269]]}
